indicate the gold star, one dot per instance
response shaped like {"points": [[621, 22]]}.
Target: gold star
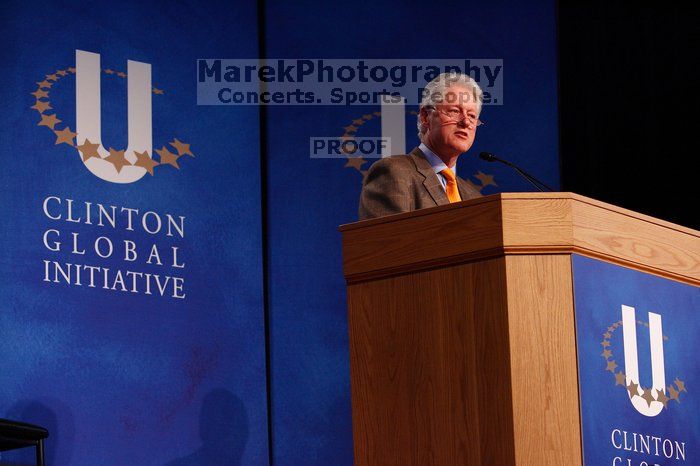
{"points": [[41, 106], [359, 121], [612, 365], [680, 384], [350, 129], [661, 396], [116, 158], [121, 74], [109, 71], [71, 70], [620, 379], [486, 180], [45, 84], [632, 388], [51, 77], [48, 120], [605, 343], [611, 328], [61, 72], [39, 93], [648, 397], [674, 394], [607, 335], [65, 136], [355, 162], [143, 160], [368, 116], [616, 324], [89, 150], [606, 354], [377, 113], [181, 147], [167, 157], [157, 91]]}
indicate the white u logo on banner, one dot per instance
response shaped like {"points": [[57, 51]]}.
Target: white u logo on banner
{"points": [[88, 116], [631, 362]]}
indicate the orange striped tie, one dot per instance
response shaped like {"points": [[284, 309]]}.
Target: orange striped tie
{"points": [[452, 191]]}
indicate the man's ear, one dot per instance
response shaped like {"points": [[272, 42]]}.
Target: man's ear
{"points": [[423, 114]]}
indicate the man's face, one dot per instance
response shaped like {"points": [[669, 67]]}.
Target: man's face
{"points": [[449, 132]]}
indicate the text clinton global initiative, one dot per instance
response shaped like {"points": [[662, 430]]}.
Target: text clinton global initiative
{"points": [[85, 240]]}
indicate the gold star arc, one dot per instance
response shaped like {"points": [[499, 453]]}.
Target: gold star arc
{"points": [[167, 157], [620, 378], [674, 393], [181, 147], [680, 384], [49, 121], [143, 160], [632, 389], [647, 396], [40, 94], [65, 136], [116, 158], [662, 398], [485, 179], [89, 150], [355, 162], [612, 365], [41, 106]]}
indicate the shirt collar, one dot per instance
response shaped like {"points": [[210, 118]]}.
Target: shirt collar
{"points": [[435, 161]]}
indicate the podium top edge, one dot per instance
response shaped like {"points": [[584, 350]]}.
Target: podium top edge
{"points": [[524, 196]]}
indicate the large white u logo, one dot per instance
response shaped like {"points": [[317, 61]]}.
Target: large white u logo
{"points": [[644, 402], [88, 116]]}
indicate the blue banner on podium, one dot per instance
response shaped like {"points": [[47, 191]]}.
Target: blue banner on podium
{"points": [[639, 377]]}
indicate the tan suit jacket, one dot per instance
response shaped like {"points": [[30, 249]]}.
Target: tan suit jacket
{"points": [[402, 183]]}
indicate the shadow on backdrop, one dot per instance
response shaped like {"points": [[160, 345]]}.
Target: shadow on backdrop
{"points": [[51, 414], [223, 429]]}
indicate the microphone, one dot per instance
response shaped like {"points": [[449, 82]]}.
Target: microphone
{"points": [[489, 157]]}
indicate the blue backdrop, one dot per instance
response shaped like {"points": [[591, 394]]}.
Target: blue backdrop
{"points": [[127, 377], [121, 377], [309, 198]]}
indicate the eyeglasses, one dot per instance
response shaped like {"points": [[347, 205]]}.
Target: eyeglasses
{"points": [[456, 115]]}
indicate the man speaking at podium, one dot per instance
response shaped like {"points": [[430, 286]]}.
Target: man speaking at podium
{"points": [[447, 121]]}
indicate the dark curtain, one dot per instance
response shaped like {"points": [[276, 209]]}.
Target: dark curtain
{"points": [[629, 114]]}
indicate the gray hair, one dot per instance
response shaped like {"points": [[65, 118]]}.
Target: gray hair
{"points": [[436, 89]]}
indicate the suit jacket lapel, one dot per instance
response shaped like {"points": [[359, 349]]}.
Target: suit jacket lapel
{"points": [[430, 181]]}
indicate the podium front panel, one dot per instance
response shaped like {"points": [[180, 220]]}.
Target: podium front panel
{"points": [[639, 371]]}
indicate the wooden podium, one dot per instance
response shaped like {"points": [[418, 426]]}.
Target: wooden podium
{"points": [[461, 321]]}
